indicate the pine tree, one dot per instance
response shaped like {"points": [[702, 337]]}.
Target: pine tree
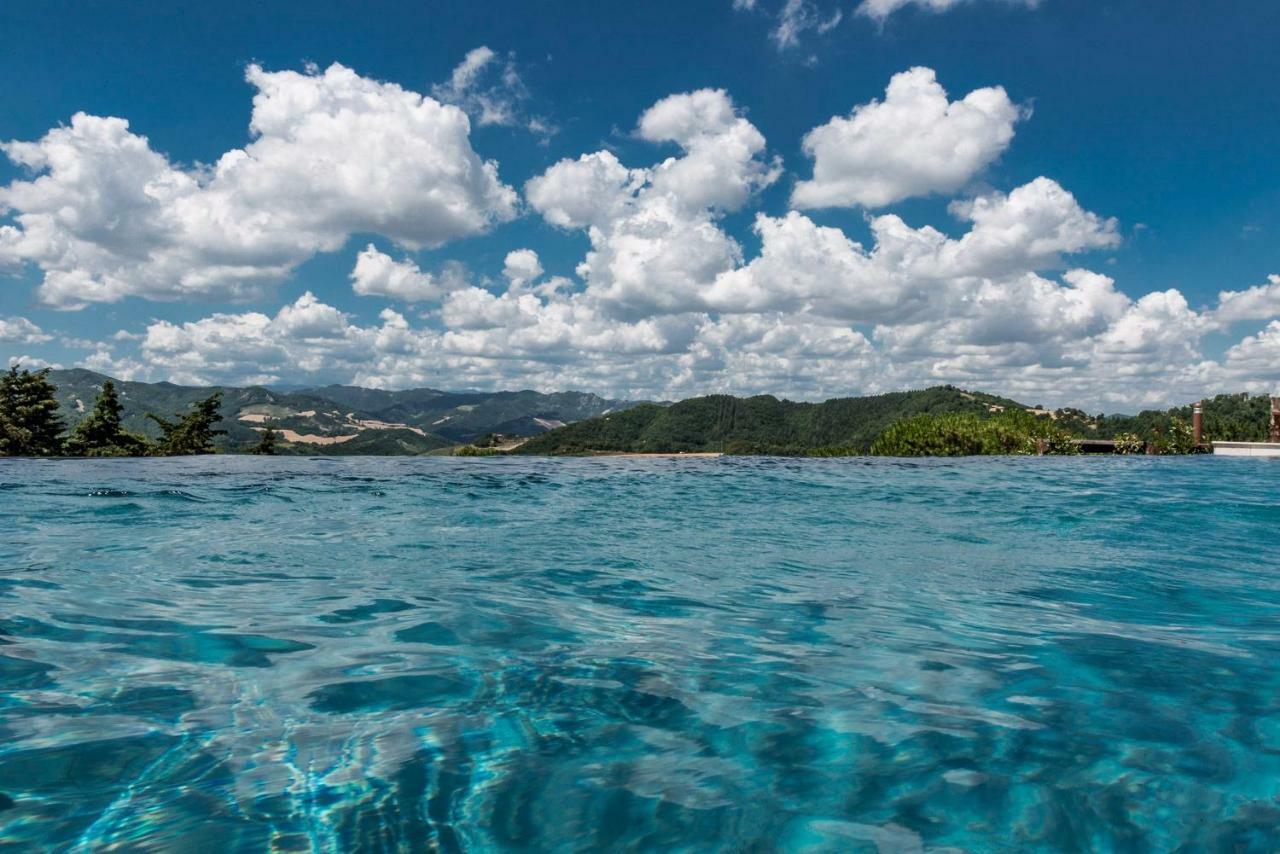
{"points": [[267, 444], [101, 434], [29, 422], [192, 433]]}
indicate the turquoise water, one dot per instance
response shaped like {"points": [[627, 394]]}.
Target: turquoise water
{"points": [[246, 654]]}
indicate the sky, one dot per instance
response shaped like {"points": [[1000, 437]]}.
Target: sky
{"points": [[1067, 203]]}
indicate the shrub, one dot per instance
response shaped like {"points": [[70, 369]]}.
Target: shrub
{"points": [[1129, 443], [474, 451], [966, 434], [1178, 439]]}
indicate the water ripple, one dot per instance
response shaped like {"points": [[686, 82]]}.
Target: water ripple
{"points": [[639, 654]]}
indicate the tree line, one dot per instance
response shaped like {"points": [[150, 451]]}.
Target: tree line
{"points": [[31, 424]]}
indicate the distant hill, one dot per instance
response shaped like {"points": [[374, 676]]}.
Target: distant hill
{"points": [[341, 419], [758, 425], [462, 416]]}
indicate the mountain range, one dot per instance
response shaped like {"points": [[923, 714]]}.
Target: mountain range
{"points": [[350, 420], [341, 419]]}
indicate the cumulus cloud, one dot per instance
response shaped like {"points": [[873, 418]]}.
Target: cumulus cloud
{"points": [[665, 303], [1256, 360], [307, 336], [814, 314], [19, 330], [721, 164], [881, 9], [521, 268], [1261, 302], [333, 154], [913, 143], [1074, 339], [655, 239], [593, 189], [804, 266], [378, 274]]}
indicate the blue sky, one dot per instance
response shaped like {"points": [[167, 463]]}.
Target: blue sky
{"points": [[1165, 122]]}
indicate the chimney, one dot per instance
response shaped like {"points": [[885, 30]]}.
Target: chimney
{"points": [[1197, 422]]}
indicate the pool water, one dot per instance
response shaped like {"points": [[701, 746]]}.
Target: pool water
{"points": [[252, 654]]}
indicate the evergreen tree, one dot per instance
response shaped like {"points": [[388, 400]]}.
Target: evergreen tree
{"points": [[101, 434], [267, 444], [192, 433], [29, 422]]}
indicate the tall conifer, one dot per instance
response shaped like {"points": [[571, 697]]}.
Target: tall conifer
{"points": [[30, 425]]}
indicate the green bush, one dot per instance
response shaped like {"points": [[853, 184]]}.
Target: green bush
{"points": [[1129, 443], [1178, 439], [966, 434], [475, 451]]}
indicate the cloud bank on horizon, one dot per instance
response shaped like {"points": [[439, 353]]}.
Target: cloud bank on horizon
{"points": [[665, 302]]}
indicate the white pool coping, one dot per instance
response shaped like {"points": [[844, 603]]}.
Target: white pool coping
{"points": [[1246, 449]]}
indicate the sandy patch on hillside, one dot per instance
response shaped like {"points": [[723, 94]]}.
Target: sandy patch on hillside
{"points": [[313, 439]]}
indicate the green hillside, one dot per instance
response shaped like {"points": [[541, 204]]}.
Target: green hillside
{"points": [[758, 425], [381, 443]]}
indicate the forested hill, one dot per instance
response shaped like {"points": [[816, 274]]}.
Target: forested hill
{"points": [[758, 425]]}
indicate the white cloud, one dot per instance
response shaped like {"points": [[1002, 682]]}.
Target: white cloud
{"points": [[666, 303], [1261, 302], [1255, 361], [721, 165], [122, 368], [656, 260], [32, 363], [790, 322], [490, 89], [305, 337], [881, 9], [913, 143], [1076, 340], [521, 268], [654, 235], [332, 154], [378, 274], [799, 16], [19, 330], [804, 266], [593, 189], [1160, 325]]}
